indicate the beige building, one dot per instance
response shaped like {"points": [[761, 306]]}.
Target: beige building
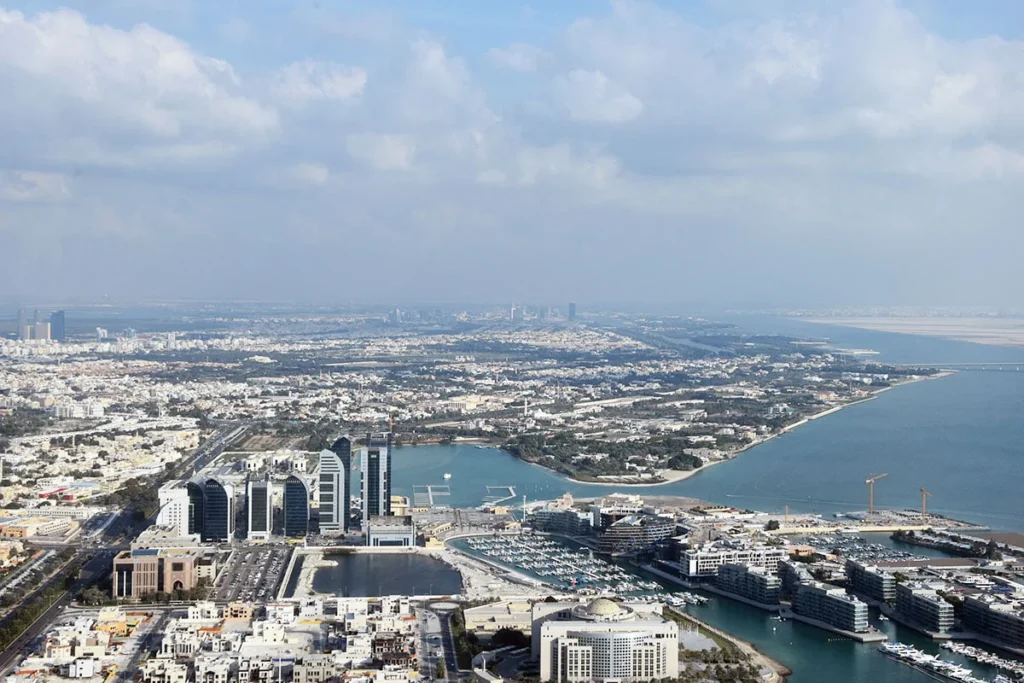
{"points": [[138, 572], [605, 641]]}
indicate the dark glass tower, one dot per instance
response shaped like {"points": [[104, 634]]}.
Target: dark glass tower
{"points": [[296, 507], [260, 510], [196, 508], [343, 449], [572, 310], [219, 522], [376, 479], [58, 331]]}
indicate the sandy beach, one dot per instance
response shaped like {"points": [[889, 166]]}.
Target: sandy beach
{"points": [[978, 330]]}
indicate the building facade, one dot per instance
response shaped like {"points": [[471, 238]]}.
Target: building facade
{"points": [[606, 641], [833, 606], [196, 507], [872, 582], [996, 617], [333, 476], [635, 534], [752, 583], [259, 510], [58, 327], [140, 572], [375, 484], [390, 531], [174, 508], [296, 506], [705, 560], [919, 606], [218, 511]]}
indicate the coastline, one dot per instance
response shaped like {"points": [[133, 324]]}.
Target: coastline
{"points": [[673, 476]]}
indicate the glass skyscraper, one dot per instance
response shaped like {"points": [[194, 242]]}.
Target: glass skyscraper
{"points": [[196, 508], [296, 507], [58, 330], [376, 476], [260, 509], [335, 486], [219, 517]]}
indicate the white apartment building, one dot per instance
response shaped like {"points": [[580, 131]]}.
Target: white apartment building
{"points": [[174, 505], [705, 560]]}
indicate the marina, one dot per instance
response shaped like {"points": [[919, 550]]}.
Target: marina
{"points": [[976, 654], [572, 570], [933, 665]]}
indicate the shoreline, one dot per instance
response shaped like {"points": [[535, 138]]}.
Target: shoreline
{"points": [[682, 475]]}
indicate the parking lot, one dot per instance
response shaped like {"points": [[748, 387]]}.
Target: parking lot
{"points": [[252, 574]]}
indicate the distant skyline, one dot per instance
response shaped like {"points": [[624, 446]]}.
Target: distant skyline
{"points": [[724, 153]]}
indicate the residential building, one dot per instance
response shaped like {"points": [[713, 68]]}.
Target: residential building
{"points": [[704, 561], [792, 575], [869, 581], [560, 521], [752, 583], [375, 483], [921, 607], [635, 534], [997, 617], [607, 641], [260, 509], [832, 606], [296, 506]]}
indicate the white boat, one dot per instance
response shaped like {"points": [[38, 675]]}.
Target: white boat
{"points": [[447, 475]]}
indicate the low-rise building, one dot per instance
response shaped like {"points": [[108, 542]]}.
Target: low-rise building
{"points": [[996, 617], [635, 534], [752, 583], [832, 606], [869, 581], [921, 607], [138, 572], [704, 561], [390, 531]]}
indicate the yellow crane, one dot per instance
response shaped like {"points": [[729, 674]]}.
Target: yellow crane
{"points": [[925, 495], [870, 481]]}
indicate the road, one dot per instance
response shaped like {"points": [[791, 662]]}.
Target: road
{"points": [[99, 552]]}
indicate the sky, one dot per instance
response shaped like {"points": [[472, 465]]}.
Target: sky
{"points": [[718, 152]]}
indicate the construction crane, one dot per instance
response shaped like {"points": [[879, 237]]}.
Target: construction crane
{"points": [[870, 481], [925, 495]]}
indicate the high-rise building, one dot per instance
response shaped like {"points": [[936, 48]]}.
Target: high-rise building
{"points": [[572, 310], [41, 330], [219, 512], [21, 331], [196, 508], [335, 487], [296, 507], [260, 509], [174, 508], [58, 330], [375, 485]]}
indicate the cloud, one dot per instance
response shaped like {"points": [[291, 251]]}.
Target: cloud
{"points": [[236, 30], [33, 186], [381, 152], [519, 57], [310, 173], [312, 81], [590, 96], [68, 81]]}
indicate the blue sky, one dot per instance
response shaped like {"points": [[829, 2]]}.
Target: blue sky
{"points": [[799, 152]]}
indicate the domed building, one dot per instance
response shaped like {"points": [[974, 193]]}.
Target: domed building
{"points": [[604, 641]]}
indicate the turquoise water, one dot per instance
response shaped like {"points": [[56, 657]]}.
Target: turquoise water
{"points": [[961, 437]]}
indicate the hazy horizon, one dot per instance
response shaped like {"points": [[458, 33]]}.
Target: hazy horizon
{"points": [[716, 154]]}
